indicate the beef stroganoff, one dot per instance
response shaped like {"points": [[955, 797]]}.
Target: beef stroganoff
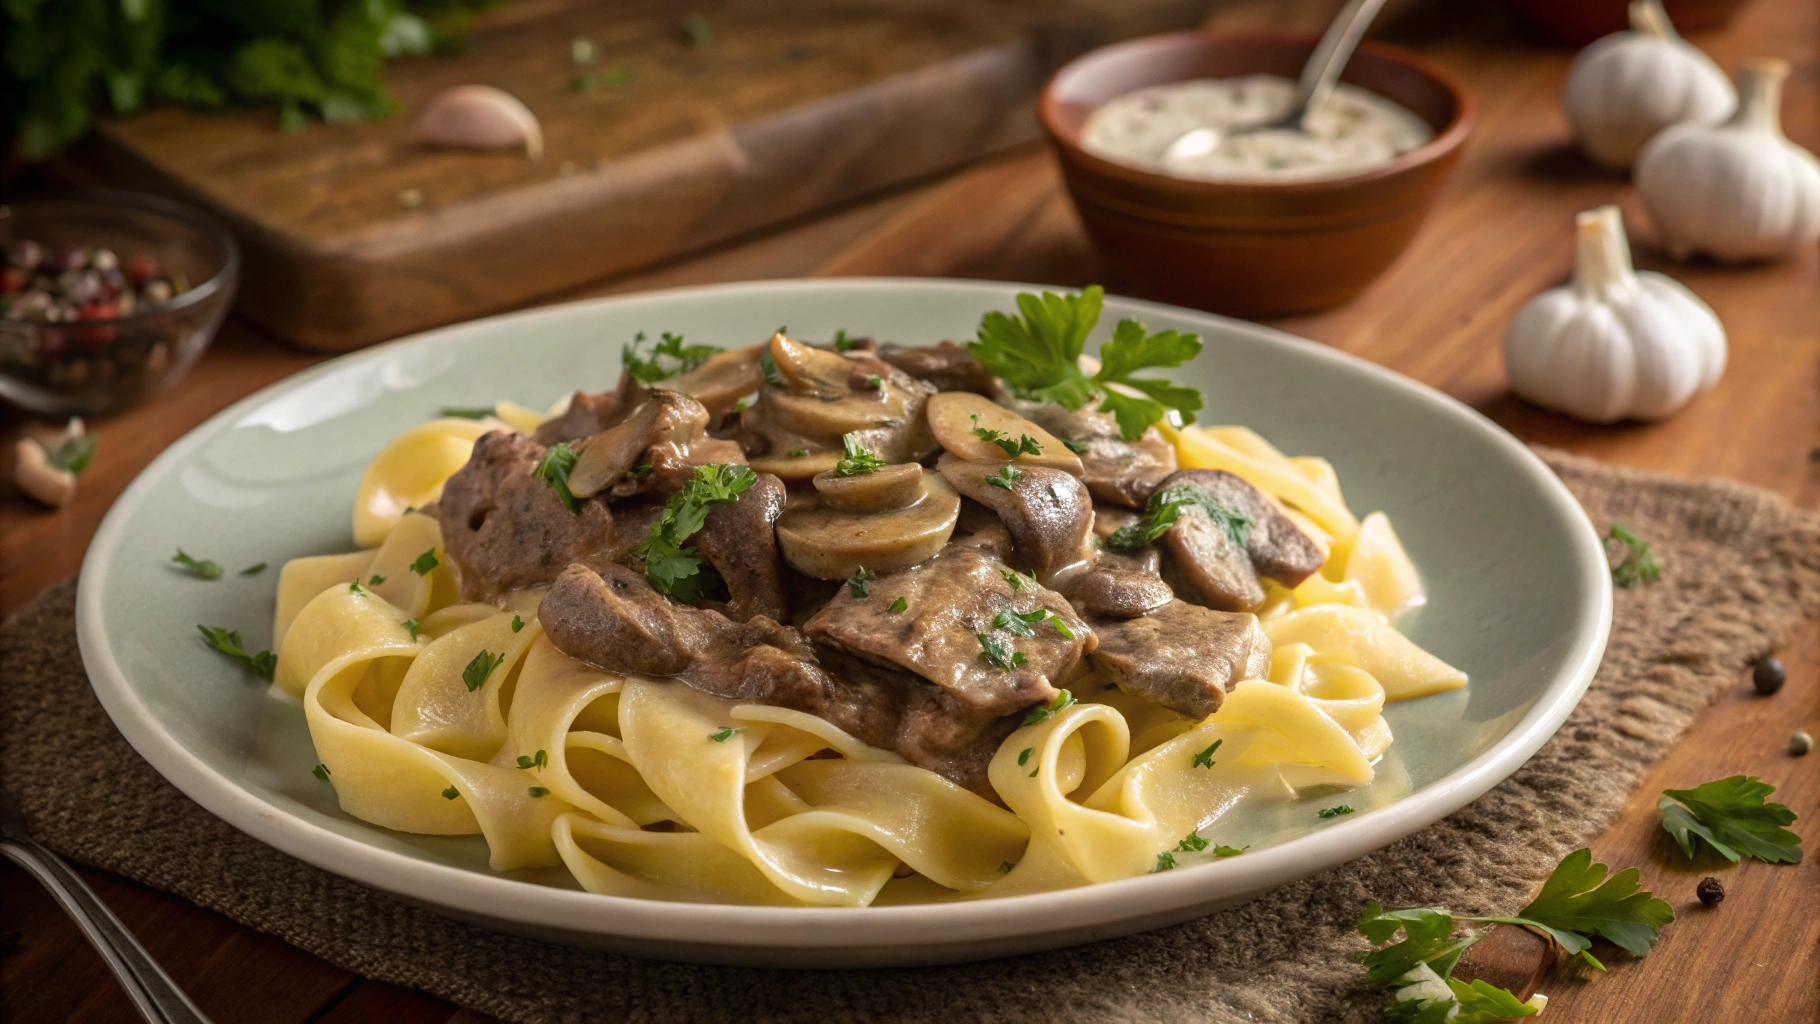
{"points": [[844, 623]]}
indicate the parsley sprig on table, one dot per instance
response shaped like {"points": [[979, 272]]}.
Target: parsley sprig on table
{"points": [[1730, 815], [1638, 564], [1037, 355], [669, 357], [673, 567], [1167, 505]]}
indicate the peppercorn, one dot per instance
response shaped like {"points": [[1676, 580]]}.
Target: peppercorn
{"points": [[1768, 675], [1710, 891], [1800, 743]]}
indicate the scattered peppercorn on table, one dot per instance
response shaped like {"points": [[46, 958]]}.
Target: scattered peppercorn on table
{"points": [[1746, 948]]}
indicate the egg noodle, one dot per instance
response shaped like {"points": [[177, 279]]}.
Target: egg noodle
{"points": [[557, 763]]}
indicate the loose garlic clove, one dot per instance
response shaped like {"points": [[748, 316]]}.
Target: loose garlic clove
{"points": [[35, 475], [481, 117]]}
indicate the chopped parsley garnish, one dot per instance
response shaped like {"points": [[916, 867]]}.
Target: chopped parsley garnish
{"points": [[450, 793], [797, 453], [354, 588], [1024, 445], [538, 761], [858, 459], [1023, 756], [1072, 445], [1638, 564], [480, 412], [475, 675], [1731, 816], [856, 584], [1005, 477], [767, 365], [202, 567], [74, 454], [1191, 843], [537, 791], [1222, 850], [1012, 577], [321, 772], [1164, 862], [639, 470], [875, 382], [1025, 623], [1167, 505], [228, 642], [413, 625], [673, 567], [1334, 812], [1037, 354], [842, 343], [253, 570], [517, 623], [1062, 699], [1004, 867], [726, 733], [425, 562], [898, 605], [1204, 759], [553, 469], [668, 358], [375, 580], [997, 655]]}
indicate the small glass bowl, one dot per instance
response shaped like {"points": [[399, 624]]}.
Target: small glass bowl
{"points": [[89, 367]]}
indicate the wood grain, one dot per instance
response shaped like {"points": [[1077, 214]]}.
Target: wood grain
{"points": [[1502, 232]]}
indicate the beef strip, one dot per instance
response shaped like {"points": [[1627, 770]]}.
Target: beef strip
{"points": [[1213, 569], [1046, 510], [588, 414], [503, 530], [739, 541], [946, 365], [1182, 656], [1115, 470], [1119, 584]]}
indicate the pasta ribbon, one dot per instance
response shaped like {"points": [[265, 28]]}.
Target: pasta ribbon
{"points": [[409, 473], [1360, 638]]}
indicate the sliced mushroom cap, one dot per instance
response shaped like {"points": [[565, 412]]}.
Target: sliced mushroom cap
{"points": [[883, 490], [791, 468], [819, 396], [957, 418], [663, 417], [827, 542], [1047, 511], [723, 380]]}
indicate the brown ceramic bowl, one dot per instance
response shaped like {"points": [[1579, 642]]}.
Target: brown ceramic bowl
{"points": [[1251, 249]]}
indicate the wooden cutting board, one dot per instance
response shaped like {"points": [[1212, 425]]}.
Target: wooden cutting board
{"points": [[354, 233]]}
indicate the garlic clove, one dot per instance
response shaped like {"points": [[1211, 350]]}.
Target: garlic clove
{"points": [[33, 472], [1739, 191], [1628, 86], [481, 117]]}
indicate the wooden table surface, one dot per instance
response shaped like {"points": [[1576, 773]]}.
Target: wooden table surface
{"points": [[1502, 233]]}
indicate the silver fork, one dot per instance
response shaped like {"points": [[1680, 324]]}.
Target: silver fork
{"points": [[157, 997]]}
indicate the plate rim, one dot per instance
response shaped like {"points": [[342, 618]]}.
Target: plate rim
{"points": [[508, 902]]}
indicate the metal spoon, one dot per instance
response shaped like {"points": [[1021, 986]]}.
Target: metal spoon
{"points": [[157, 997], [1318, 77]]}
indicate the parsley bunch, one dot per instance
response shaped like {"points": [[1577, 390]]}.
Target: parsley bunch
{"points": [[669, 357], [1166, 506], [1038, 353], [673, 567]]}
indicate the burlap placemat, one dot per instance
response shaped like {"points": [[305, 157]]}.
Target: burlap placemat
{"points": [[1741, 569]]}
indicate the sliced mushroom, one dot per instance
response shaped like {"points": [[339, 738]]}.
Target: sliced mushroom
{"points": [[1047, 511], [946, 365], [796, 464], [827, 542], [817, 397], [960, 418], [660, 432], [723, 380], [884, 490]]}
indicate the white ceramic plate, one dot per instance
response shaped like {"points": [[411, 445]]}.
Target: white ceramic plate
{"points": [[1520, 599]]}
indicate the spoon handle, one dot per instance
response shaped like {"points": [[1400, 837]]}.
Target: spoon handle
{"points": [[156, 996], [1331, 54]]}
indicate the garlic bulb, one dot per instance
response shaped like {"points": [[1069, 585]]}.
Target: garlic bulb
{"points": [[1738, 191], [1614, 342], [481, 117], [1625, 88]]}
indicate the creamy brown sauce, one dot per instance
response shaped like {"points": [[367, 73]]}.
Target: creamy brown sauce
{"points": [[1355, 130]]}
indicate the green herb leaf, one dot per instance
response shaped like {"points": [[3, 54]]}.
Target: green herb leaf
{"points": [[1204, 759], [375, 580], [639, 470], [228, 642], [413, 625], [1334, 812], [450, 793], [354, 588], [898, 605], [1005, 477], [517, 623], [1164, 862], [1731, 816], [1004, 867], [856, 584], [858, 460], [1428, 940], [843, 343], [797, 453], [425, 562], [726, 733], [1015, 579], [1638, 565], [74, 454], [673, 567], [475, 675], [479, 412], [1168, 505], [253, 570], [1578, 900], [553, 469], [1191, 843], [537, 791], [997, 655], [1223, 850], [204, 568], [1062, 700], [1072, 445], [542, 758], [321, 771], [668, 357], [767, 365]]}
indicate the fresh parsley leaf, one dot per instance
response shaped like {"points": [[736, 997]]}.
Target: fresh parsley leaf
{"points": [[843, 343], [74, 454], [672, 566], [354, 588], [1222, 850], [1012, 577], [450, 793], [998, 656], [537, 791], [1004, 867], [858, 459], [1204, 759], [668, 358], [1191, 843], [726, 733], [898, 605], [1164, 862], [1481, 1002], [203, 567], [1072, 445], [1023, 756], [517, 623], [321, 771], [1037, 354], [1024, 445], [1336, 811], [425, 562], [1732, 817], [1428, 939], [1167, 505], [1062, 700], [797, 453], [475, 675], [1025, 623], [480, 412], [253, 570], [1638, 564], [1005, 477], [639, 470], [375, 580], [553, 469], [542, 758], [1578, 900], [228, 642], [767, 365], [413, 625], [856, 584]]}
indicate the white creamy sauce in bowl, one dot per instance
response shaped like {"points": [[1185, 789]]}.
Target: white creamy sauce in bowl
{"points": [[1355, 130]]}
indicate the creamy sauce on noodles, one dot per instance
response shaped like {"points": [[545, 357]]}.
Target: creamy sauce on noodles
{"points": [[1355, 130]]}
